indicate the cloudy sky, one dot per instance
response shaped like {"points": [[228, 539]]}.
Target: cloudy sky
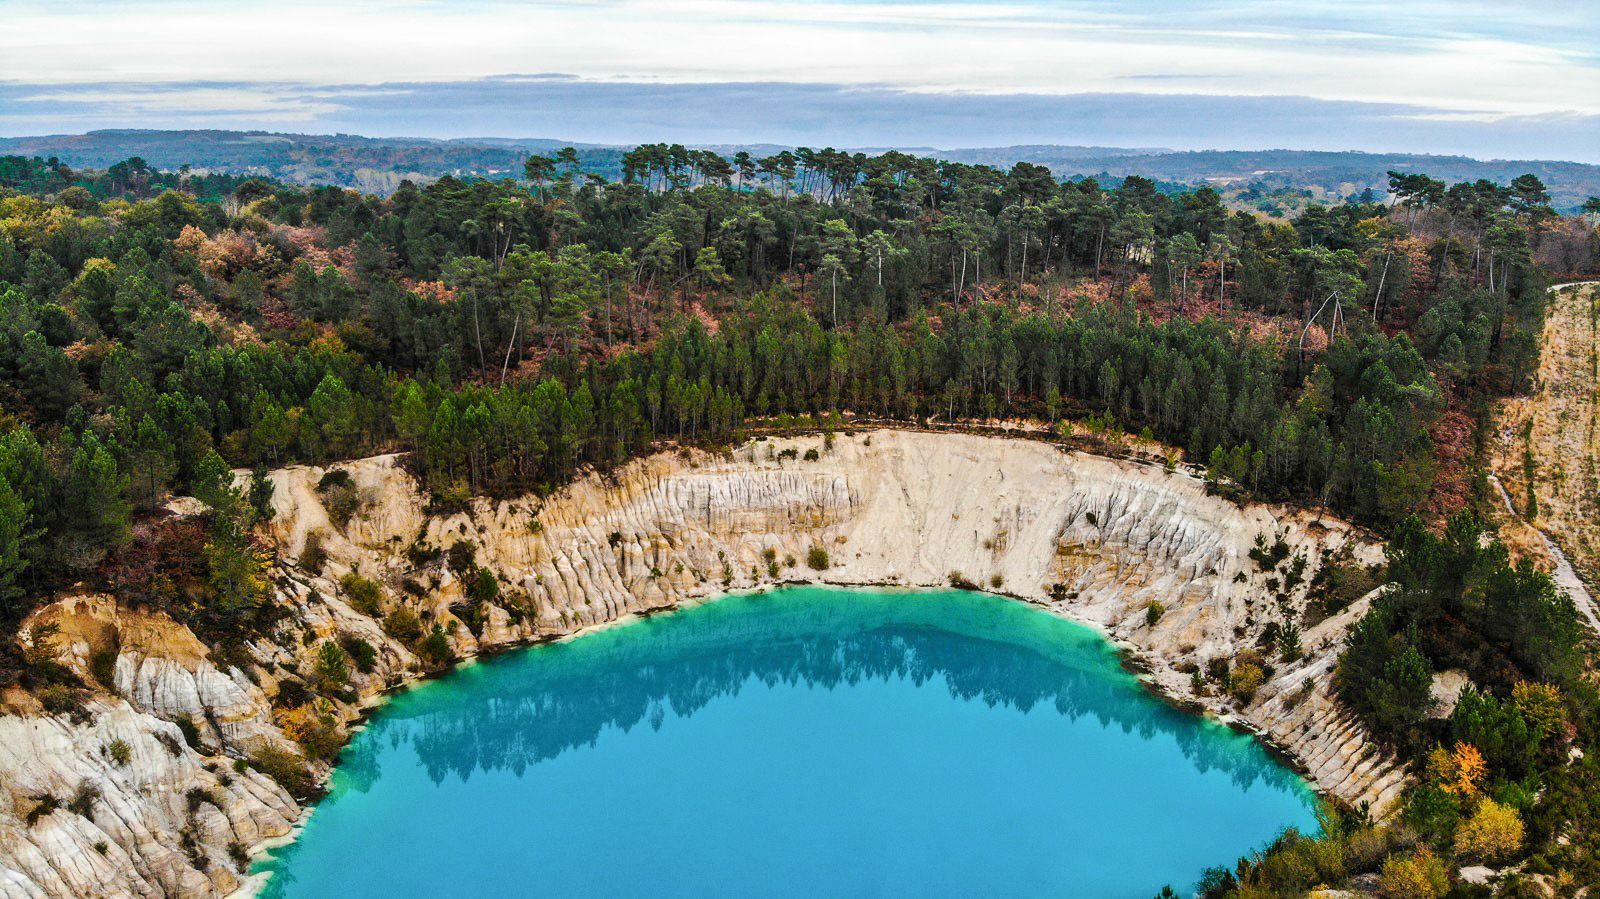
{"points": [[1485, 78]]}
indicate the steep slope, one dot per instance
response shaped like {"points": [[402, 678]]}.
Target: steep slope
{"points": [[1548, 457], [1091, 538]]}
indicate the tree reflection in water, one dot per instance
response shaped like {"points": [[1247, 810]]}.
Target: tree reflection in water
{"points": [[807, 741], [550, 699]]}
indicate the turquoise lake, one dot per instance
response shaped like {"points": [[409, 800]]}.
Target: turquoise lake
{"points": [[801, 742]]}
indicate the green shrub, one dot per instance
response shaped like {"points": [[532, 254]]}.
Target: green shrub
{"points": [[103, 666], [1153, 613], [1493, 833], [1340, 582], [197, 797], [291, 693], [1289, 648], [484, 587], [1295, 573], [817, 557], [330, 668], [286, 768], [366, 658], [313, 556], [435, 648], [191, 733], [261, 490], [340, 497], [333, 479], [119, 751], [403, 625], [1268, 558], [59, 699], [320, 736], [473, 615], [1245, 681], [1217, 670], [462, 557], [83, 801], [362, 594], [46, 806], [421, 556], [1416, 876]]}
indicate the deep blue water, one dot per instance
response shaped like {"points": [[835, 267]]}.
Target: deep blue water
{"points": [[803, 742]]}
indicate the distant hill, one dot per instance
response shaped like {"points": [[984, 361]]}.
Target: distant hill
{"points": [[374, 164], [1272, 179], [1339, 173]]}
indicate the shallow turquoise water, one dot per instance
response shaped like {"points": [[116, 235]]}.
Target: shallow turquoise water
{"points": [[803, 742]]}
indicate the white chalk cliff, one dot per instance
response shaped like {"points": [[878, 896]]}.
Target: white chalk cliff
{"points": [[1093, 539]]}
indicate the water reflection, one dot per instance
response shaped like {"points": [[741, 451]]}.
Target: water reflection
{"points": [[532, 706], [804, 742]]}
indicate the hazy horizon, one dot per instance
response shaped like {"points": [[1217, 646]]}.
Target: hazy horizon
{"points": [[1459, 78]]}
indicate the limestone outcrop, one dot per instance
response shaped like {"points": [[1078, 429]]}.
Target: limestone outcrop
{"points": [[1094, 539]]}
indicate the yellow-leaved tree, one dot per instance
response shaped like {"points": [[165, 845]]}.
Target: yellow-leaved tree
{"points": [[1416, 876], [1492, 833]]}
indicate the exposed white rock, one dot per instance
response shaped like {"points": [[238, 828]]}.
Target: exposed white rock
{"points": [[1094, 539], [1445, 691]]}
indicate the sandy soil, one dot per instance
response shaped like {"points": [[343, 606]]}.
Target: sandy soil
{"points": [[1552, 436]]}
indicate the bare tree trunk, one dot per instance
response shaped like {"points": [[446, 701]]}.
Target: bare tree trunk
{"points": [[1382, 279], [477, 330], [516, 323], [1301, 354]]}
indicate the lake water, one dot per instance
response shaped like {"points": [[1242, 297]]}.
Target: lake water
{"points": [[802, 742]]}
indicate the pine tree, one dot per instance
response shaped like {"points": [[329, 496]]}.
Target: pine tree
{"points": [[94, 514], [14, 536]]}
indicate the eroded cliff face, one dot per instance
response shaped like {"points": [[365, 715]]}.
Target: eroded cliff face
{"points": [[1090, 538]]}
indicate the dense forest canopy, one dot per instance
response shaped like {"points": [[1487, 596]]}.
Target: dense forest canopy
{"points": [[1275, 182], [158, 325], [158, 329]]}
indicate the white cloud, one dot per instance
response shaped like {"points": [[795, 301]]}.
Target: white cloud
{"points": [[281, 106], [1446, 55]]}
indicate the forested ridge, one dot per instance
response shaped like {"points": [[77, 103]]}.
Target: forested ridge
{"points": [[1272, 181], [158, 329]]}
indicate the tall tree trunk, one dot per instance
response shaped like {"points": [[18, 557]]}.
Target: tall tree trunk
{"points": [[517, 322], [1383, 278], [477, 330]]}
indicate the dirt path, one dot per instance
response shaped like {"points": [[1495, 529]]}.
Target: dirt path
{"points": [[1565, 576], [1553, 437]]}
